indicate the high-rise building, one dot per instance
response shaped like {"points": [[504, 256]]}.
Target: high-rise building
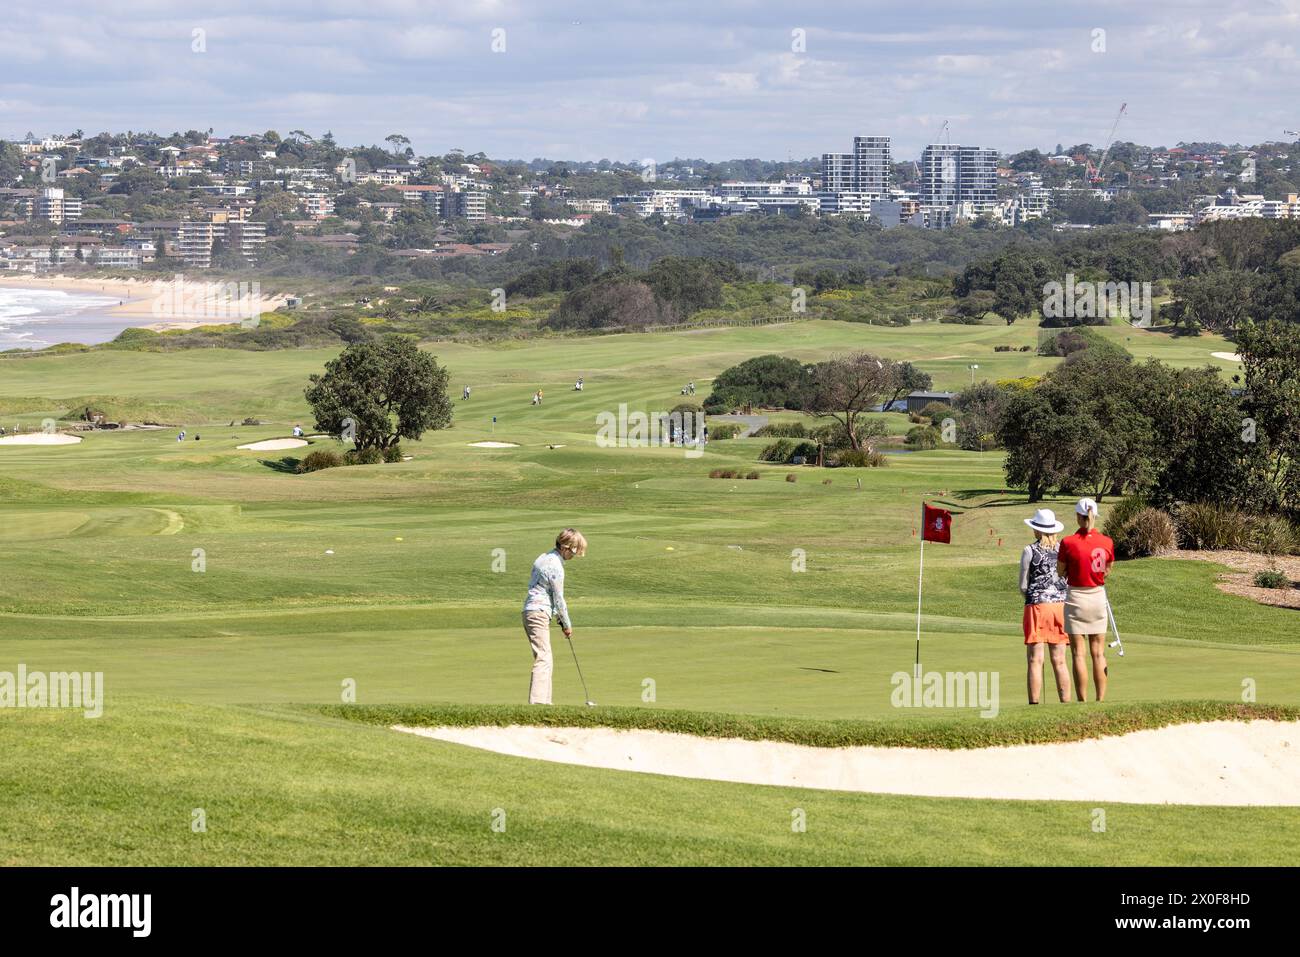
{"points": [[468, 204], [837, 172], [953, 174], [873, 166]]}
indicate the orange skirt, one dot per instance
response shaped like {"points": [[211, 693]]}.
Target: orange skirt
{"points": [[1045, 623]]}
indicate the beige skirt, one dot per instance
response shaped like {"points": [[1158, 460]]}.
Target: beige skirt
{"points": [[1085, 611]]}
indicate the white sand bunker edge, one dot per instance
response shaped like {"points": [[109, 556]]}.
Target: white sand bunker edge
{"points": [[1229, 356], [40, 438], [1214, 763], [494, 445], [274, 445]]}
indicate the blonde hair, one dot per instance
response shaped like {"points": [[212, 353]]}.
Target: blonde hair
{"points": [[571, 540], [1088, 521], [1047, 538]]}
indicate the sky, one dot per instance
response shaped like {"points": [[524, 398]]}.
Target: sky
{"points": [[711, 79]]}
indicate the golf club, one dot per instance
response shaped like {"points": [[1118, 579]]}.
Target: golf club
{"points": [[585, 694], [1118, 641]]}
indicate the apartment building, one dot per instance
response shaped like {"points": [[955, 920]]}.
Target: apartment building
{"points": [[54, 206], [318, 205], [588, 205], [954, 175], [467, 204], [183, 239], [869, 169], [837, 172]]}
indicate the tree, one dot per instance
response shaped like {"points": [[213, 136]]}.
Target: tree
{"points": [[388, 388], [908, 378], [769, 381], [982, 409], [845, 387], [1270, 353]]}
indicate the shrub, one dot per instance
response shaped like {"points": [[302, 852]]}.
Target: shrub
{"points": [[725, 430], [367, 456], [936, 410], [752, 475], [860, 459], [252, 421], [806, 449], [1272, 535], [786, 430], [1271, 578], [716, 473], [826, 481], [1120, 514], [393, 454], [320, 459], [792, 477], [922, 437], [1205, 526], [1148, 532], [778, 451]]}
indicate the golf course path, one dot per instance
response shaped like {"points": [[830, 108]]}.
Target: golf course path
{"points": [[1213, 763]]}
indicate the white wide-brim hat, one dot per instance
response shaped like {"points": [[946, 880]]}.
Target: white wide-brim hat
{"points": [[1044, 521]]}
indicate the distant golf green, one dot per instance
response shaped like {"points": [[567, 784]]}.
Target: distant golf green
{"points": [[214, 588]]}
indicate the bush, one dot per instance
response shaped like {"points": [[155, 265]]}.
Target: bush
{"points": [[859, 459], [1272, 535], [936, 410], [1148, 532], [922, 437], [1120, 514], [716, 473], [792, 477], [752, 475], [393, 454], [788, 430], [1205, 526], [366, 456], [1271, 578], [778, 451], [808, 450], [320, 459], [725, 430]]}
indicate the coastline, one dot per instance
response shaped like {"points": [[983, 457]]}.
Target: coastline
{"points": [[138, 298]]}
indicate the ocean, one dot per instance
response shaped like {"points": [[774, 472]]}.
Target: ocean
{"points": [[35, 318]]}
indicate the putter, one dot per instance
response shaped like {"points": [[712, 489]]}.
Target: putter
{"points": [[585, 693], [1118, 641]]}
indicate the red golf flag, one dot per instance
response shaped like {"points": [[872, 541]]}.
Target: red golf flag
{"points": [[936, 524]]}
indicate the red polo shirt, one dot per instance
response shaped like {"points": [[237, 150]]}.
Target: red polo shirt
{"points": [[1086, 557]]}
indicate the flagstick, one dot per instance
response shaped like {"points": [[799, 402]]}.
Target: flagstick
{"points": [[919, 576]]}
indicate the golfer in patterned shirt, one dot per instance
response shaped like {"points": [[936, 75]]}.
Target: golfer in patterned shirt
{"points": [[546, 600]]}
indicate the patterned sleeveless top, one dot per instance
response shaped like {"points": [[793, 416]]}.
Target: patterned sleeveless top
{"points": [[1045, 586]]}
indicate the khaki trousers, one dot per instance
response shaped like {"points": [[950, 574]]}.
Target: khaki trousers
{"points": [[537, 626]]}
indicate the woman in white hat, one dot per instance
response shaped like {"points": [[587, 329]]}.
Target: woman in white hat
{"points": [[1044, 619], [1086, 557]]}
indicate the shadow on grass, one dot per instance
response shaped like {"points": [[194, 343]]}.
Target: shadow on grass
{"points": [[288, 464]]}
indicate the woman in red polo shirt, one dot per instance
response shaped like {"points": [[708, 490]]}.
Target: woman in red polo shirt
{"points": [[1085, 558]]}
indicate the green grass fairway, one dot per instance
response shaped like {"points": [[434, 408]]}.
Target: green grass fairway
{"points": [[387, 579]]}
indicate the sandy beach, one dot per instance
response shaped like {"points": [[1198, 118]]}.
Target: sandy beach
{"points": [[40, 311], [143, 298]]}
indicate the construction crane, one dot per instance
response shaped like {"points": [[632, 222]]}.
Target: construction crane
{"points": [[1295, 133], [1094, 173]]}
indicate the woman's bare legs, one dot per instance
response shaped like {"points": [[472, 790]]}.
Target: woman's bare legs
{"points": [[1034, 656], [1062, 671]]}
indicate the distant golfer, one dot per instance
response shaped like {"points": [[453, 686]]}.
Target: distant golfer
{"points": [[1085, 558], [1044, 618], [546, 599]]}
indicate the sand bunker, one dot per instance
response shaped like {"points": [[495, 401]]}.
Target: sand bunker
{"points": [[1217, 762], [494, 445], [40, 438], [274, 445], [1229, 356]]}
